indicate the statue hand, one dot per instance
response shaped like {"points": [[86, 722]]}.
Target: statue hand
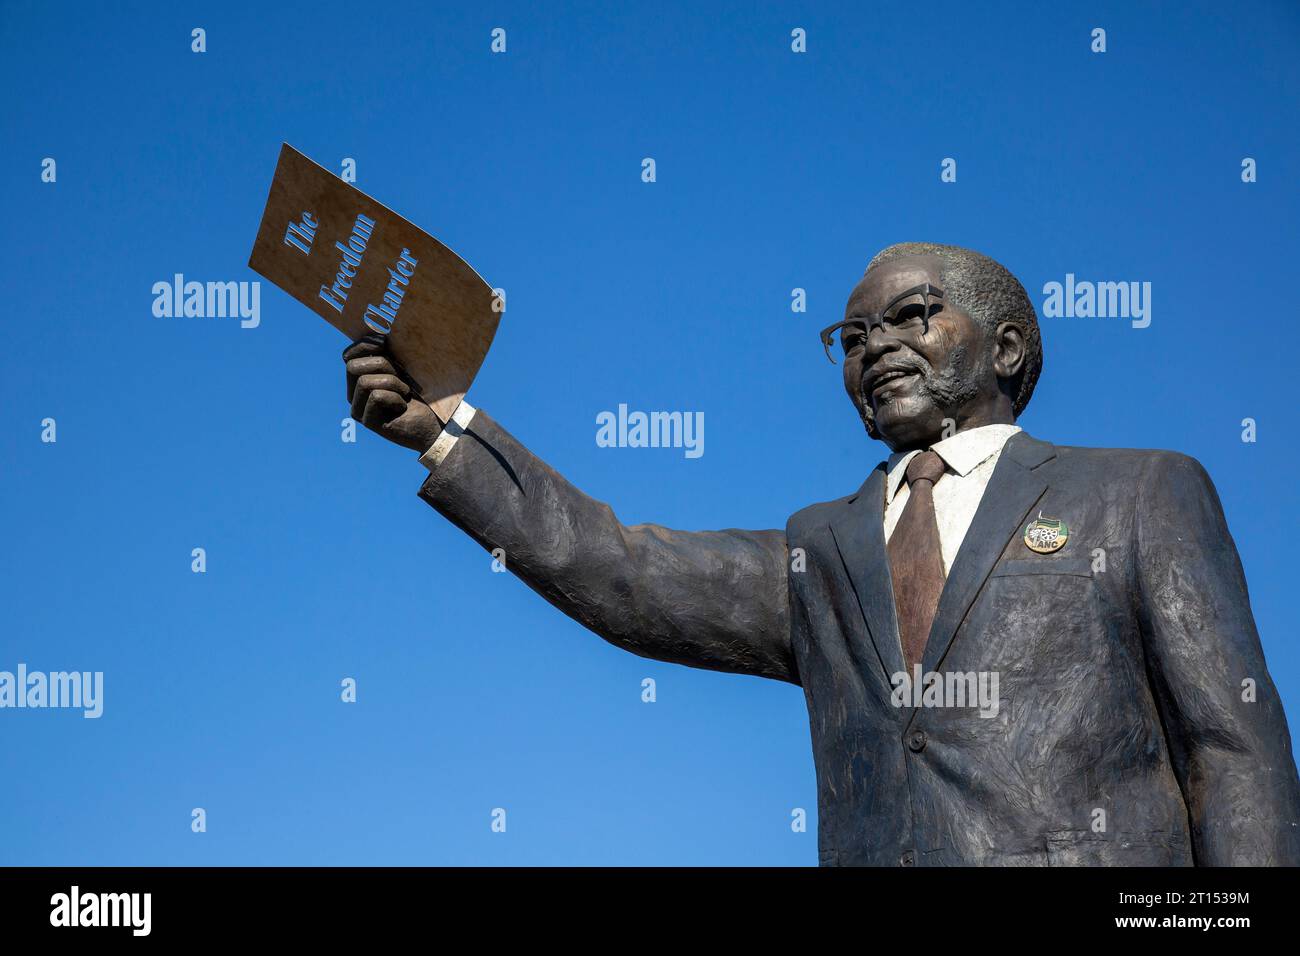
{"points": [[383, 400]]}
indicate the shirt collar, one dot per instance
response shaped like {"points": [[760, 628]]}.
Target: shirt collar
{"points": [[962, 453]]}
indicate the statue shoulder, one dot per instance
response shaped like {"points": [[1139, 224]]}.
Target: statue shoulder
{"points": [[1131, 469], [821, 513]]}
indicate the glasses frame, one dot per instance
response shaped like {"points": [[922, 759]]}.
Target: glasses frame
{"points": [[877, 320]]}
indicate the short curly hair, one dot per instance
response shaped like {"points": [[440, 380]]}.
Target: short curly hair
{"points": [[989, 293]]}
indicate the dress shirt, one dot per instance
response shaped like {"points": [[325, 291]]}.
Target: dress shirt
{"points": [[971, 456]]}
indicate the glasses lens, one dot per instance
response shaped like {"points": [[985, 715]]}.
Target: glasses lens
{"points": [[906, 315]]}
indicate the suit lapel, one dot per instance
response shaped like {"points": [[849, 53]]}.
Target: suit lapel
{"points": [[859, 533], [1013, 490]]}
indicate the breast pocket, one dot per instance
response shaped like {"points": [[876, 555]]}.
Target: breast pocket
{"points": [[1033, 611], [1081, 567]]}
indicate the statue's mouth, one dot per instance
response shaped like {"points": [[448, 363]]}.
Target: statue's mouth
{"points": [[894, 377], [880, 380]]}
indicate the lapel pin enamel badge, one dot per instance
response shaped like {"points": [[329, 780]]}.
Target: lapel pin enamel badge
{"points": [[1045, 535]]}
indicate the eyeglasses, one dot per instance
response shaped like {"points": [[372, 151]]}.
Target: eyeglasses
{"points": [[898, 318]]}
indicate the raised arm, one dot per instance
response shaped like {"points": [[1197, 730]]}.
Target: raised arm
{"points": [[1223, 719], [712, 599]]}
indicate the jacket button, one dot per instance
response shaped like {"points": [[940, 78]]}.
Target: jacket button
{"points": [[907, 859], [917, 741]]}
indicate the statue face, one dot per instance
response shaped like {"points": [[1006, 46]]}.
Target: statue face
{"points": [[913, 369]]}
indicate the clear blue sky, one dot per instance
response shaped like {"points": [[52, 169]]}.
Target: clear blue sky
{"points": [[775, 171]]}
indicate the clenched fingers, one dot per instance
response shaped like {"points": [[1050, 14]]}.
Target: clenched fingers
{"points": [[370, 365], [368, 384], [381, 407]]}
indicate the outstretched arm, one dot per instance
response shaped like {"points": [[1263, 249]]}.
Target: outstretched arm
{"points": [[713, 599], [1223, 719]]}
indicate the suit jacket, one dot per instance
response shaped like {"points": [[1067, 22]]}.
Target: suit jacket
{"points": [[1126, 732]]}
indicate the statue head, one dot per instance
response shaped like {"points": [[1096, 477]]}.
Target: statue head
{"points": [[937, 339]]}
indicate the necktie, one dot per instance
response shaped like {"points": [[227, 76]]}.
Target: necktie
{"points": [[915, 558]]}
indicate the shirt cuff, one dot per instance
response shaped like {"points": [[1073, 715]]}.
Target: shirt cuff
{"points": [[446, 439]]}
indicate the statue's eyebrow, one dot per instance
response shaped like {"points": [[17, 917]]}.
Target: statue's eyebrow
{"points": [[860, 313], [925, 288]]}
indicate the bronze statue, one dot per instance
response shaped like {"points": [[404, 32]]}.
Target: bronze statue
{"points": [[1096, 592]]}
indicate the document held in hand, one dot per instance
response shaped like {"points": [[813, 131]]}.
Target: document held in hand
{"points": [[368, 271]]}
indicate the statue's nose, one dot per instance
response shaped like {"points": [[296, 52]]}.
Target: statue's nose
{"points": [[879, 342]]}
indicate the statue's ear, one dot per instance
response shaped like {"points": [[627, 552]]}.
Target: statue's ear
{"points": [[1009, 351]]}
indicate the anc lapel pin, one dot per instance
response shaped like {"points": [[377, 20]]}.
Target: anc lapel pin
{"points": [[1045, 535]]}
